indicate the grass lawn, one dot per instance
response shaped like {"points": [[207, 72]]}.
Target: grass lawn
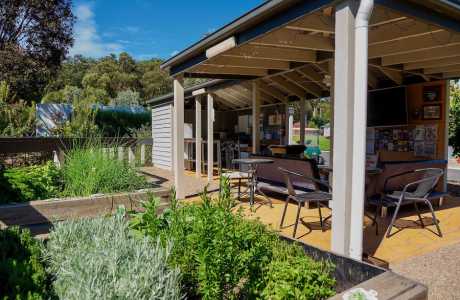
{"points": [[324, 143]]}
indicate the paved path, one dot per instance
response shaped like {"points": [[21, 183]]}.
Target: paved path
{"points": [[439, 270]]}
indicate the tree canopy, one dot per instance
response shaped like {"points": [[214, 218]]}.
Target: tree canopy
{"points": [[35, 36]]}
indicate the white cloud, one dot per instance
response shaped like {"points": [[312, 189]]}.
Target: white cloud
{"points": [[87, 40], [174, 53]]}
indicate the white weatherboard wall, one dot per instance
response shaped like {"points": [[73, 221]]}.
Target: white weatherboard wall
{"points": [[162, 136]]}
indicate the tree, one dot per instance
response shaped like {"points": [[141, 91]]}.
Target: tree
{"points": [[35, 36], [154, 81], [454, 118], [126, 98]]}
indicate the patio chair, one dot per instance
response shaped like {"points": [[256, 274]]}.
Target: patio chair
{"points": [[415, 192], [236, 174], [318, 196]]}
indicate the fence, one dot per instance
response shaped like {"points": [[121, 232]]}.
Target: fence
{"points": [[30, 150]]}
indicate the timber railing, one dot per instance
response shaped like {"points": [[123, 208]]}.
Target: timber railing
{"points": [[24, 148]]}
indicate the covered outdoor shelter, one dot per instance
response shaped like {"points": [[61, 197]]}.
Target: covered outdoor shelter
{"points": [[287, 49]]}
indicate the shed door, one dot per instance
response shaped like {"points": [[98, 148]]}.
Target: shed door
{"points": [[162, 136]]}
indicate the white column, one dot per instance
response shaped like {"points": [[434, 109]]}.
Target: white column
{"points": [[289, 124], [178, 137], [255, 118], [446, 132], [210, 136], [331, 124], [343, 128], [198, 135], [302, 121], [359, 129]]}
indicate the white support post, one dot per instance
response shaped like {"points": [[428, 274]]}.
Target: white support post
{"points": [[255, 118], [302, 121], [361, 66], [210, 136], [178, 137], [198, 135], [343, 127], [289, 124], [331, 124], [446, 134]]}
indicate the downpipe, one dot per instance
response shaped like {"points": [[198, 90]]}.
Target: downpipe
{"points": [[359, 125]]}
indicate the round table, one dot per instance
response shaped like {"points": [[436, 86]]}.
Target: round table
{"points": [[252, 165]]}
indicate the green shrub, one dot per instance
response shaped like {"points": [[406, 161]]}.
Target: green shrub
{"points": [[30, 183], [100, 259], [88, 171], [121, 123], [221, 255], [22, 274]]}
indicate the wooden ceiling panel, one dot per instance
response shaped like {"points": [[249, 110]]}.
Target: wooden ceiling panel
{"points": [[316, 22], [245, 62], [272, 53], [295, 39], [224, 70], [442, 62], [414, 44]]}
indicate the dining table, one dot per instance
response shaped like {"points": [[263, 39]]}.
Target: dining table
{"points": [[252, 164]]}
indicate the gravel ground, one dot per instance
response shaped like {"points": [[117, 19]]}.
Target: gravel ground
{"points": [[439, 270]]}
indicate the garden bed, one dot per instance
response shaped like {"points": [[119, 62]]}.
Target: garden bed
{"points": [[59, 209], [203, 250]]}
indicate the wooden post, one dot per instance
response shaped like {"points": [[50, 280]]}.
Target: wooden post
{"points": [[210, 136], [178, 137], [255, 118], [131, 156], [58, 158], [120, 153], [142, 154], [302, 121], [198, 136], [343, 128]]}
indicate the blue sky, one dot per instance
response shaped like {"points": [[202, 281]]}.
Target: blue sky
{"points": [[149, 28]]}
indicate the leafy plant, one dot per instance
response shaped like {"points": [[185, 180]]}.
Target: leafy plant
{"points": [[22, 273], [221, 255], [30, 183], [454, 118], [100, 259], [88, 171]]}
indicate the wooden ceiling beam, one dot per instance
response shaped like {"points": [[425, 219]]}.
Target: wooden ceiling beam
{"points": [[414, 44], [272, 53], [422, 55], [309, 87], [451, 75], [265, 88], [400, 30], [245, 62], [445, 69], [218, 70], [297, 40], [312, 75], [239, 93], [372, 80], [230, 98], [316, 22], [394, 75], [442, 62], [226, 103], [292, 88], [381, 16]]}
